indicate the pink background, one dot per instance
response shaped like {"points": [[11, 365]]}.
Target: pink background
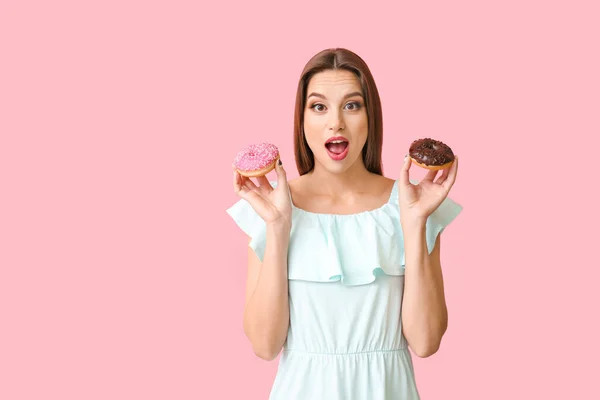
{"points": [[122, 277]]}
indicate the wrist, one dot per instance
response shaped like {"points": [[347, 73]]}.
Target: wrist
{"points": [[413, 223], [279, 228]]}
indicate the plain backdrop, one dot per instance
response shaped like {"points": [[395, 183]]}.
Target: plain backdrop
{"points": [[121, 275]]}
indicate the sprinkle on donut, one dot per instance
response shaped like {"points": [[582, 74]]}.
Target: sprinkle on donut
{"points": [[256, 157]]}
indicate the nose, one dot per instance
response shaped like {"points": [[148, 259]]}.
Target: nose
{"points": [[336, 123]]}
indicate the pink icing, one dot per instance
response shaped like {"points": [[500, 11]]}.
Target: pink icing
{"points": [[256, 156]]}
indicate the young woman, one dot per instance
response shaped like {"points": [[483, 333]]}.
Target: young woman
{"points": [[344, 272]]}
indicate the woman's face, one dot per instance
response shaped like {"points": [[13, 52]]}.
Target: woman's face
{"points": [[335, 119]]}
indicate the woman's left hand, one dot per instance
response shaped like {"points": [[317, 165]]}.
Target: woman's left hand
{"points": [[418, 202]]}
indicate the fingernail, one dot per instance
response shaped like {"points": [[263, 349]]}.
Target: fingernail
{"points": [[279, 162]]}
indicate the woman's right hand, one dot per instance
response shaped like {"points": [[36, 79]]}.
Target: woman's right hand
{"points": [[272, 204]]}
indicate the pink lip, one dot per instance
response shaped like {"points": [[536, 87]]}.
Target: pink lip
{"points": [[342, 155], [331, 139]]}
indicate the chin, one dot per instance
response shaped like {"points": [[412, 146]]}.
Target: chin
{"points": [[337, 167]]}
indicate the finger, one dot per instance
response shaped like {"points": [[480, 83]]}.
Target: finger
{"points": [[281, 175], [443, 177], [265, 186], [449, 182], [250, 185], [238, 185], [255, 200], [404, 173], [237, 181], [430, 175]]}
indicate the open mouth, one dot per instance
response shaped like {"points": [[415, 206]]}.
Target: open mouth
{"points": [[337, 148]]}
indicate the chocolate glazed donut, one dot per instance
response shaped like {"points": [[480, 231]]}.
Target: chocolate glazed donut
{"points": [[431, 154]]}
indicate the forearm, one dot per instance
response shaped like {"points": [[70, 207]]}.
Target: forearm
{"points": [[266, 318], [424, 312]]}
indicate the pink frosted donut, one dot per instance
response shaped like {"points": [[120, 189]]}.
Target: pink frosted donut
{"points": [[256, 160]]}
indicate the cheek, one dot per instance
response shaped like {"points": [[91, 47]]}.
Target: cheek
{"points": [[312, 131], [364, 121], [362, 127], [312, 122]]}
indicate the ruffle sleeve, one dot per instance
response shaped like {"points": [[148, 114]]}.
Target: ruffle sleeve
{"points": [[440, 219], [251, 224]]}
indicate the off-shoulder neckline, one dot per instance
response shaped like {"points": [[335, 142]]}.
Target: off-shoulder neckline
{"points": [[389, 201]]}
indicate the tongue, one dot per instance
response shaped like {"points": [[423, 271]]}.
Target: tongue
{"points": [[337, 148]]}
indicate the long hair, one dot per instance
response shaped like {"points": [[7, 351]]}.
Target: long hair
{"points": [[335, 59]]}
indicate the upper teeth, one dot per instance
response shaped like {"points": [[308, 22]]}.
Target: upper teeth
{"points": [[338, 141]]}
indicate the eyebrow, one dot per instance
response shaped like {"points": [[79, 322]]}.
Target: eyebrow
{"points": [[345, 97]]}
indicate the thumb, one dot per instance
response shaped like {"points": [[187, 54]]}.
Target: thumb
{"points": [[281, 174], [404, 174]]}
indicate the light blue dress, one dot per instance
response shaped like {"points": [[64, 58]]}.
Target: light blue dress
{"points": [[346, 281]]}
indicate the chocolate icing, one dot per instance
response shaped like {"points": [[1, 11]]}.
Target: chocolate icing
{"points": [[429, 151]]}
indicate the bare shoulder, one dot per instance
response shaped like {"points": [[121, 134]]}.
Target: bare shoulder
{"points": [[294, 183], [384, 183], [298, 188], [379, 187]]}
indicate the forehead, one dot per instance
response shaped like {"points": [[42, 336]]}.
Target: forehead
{"points": [[333, 83]]}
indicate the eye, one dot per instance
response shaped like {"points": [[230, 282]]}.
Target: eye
{"points": [[355, 104], [314, 106]]}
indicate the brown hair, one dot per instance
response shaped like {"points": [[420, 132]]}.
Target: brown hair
{"points": [[334, 59]]}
